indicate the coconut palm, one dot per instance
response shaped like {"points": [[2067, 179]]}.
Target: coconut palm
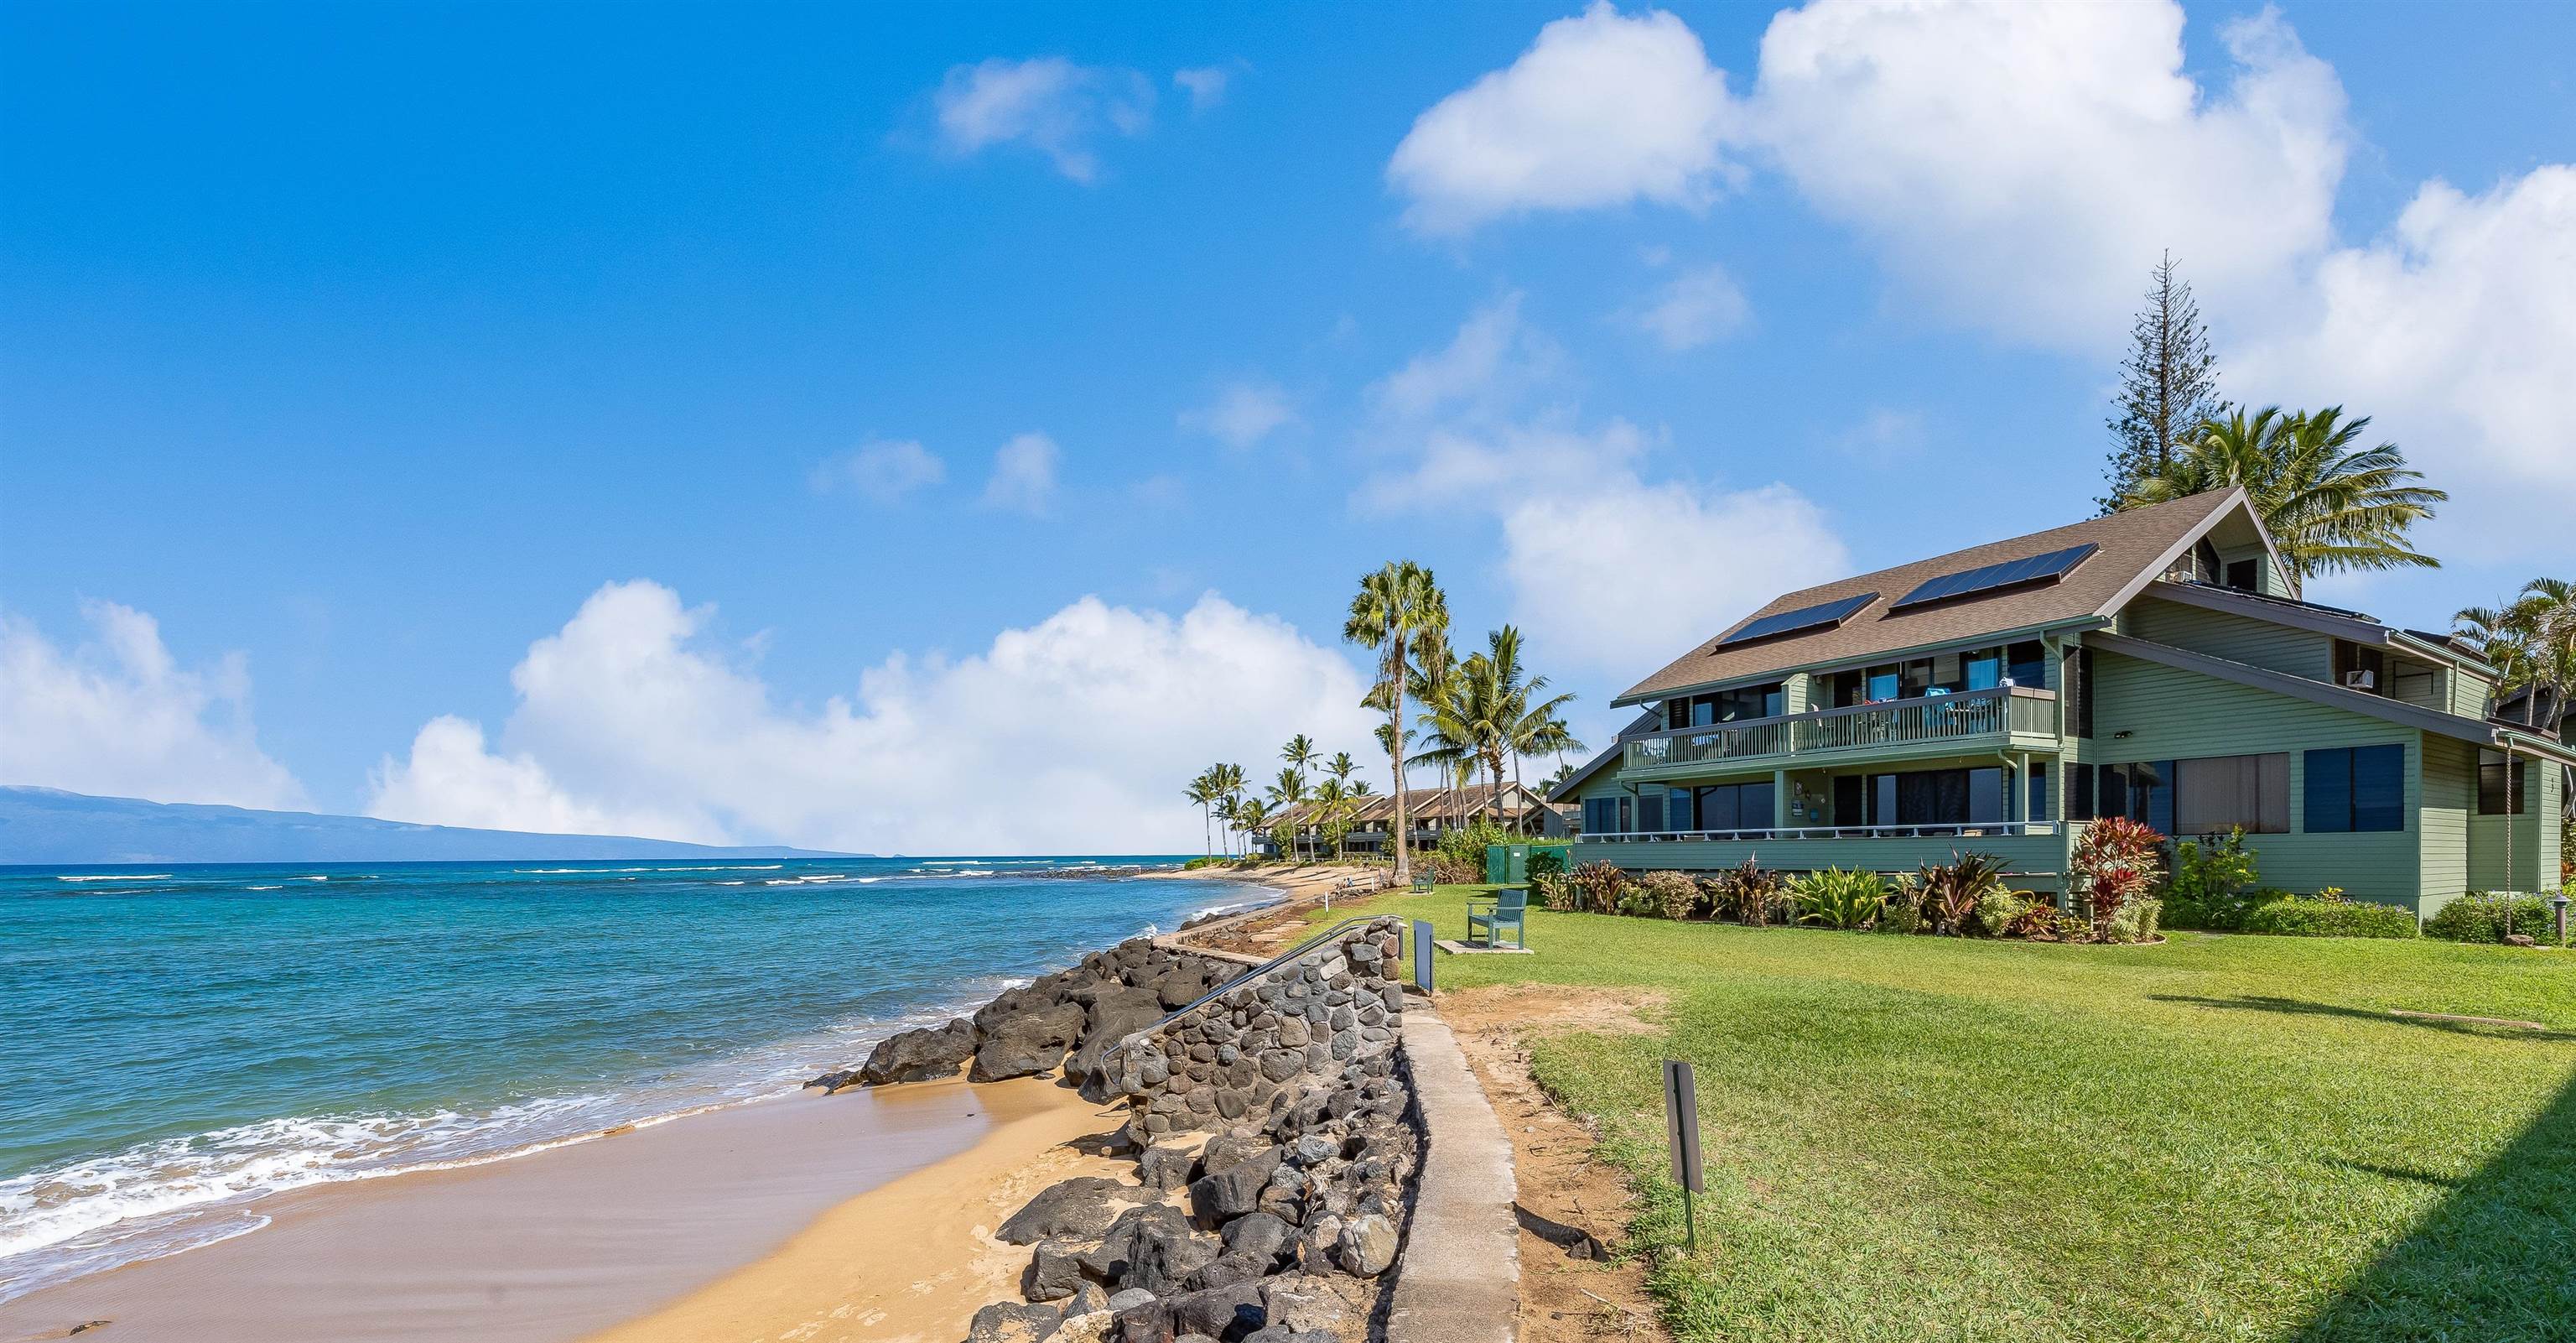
{"points": [[1466, 724], [1342, 767], [1251, 814], [1527, 729], [1286, 794], [1332, 802], [2329, 504], [1229, 785], [1202, 792], [2532, 640], [1299, 753], [1396, 608]]}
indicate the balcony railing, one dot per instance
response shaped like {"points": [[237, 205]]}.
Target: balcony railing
{"points": [[1946, 830], [1934, 718]]}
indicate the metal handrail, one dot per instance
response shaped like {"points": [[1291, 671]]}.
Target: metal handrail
{"points": [[1954, 699], [1240, 980]]}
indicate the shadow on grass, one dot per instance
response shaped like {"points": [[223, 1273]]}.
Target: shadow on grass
{"points": [[2492, 1263], [2296, 1007]]}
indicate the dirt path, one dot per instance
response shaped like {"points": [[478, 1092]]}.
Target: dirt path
{"points": [[1570, 1204]]}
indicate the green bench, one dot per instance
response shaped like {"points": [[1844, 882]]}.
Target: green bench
{"points": [[1493, 913]]}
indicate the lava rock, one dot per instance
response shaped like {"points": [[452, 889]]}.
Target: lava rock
{"points": [[1304, 1304], [923, 1055], [1260, 1237], [1162, 1255], [1079, 1209], [1368, 1245], [1232, 1191], [1026, 1044], [1054, 1273], [1225, 1313], [1166, 1166], [1013, 1322], [1129, 1299]]}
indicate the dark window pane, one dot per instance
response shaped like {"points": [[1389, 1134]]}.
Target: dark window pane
{"points": [[1918, 798], [1848, 807], [1623, 825], [2244, 575], [2027, 664], [1718, 809], [2379, 788], [1650, 812], [1986, 795], [2329, 792], [2039, 798], [1883, 804], [2079, 807], [1753, 806], [1678, 811], [2075, 671], [2500, 793]]}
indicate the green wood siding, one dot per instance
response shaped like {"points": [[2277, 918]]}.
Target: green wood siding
{"points": [[2535, 837], [2450, 806], [2472, 695], [2036, 859], [2256, 643], [2172, 714]]}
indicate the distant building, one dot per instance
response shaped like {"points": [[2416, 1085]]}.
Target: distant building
{"points": [[2150, 664], [1430, 811]]}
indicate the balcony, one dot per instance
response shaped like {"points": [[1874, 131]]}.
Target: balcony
{"points": [[1935, 724], [2033, 852]]}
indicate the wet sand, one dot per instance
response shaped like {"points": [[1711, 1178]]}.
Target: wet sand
{"points": [[551, 1246]]}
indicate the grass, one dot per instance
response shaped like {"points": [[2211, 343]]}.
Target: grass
{"points": [[2219, 1138]]}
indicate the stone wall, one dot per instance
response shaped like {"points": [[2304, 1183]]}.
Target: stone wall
{"points": [[1337, 1005]]}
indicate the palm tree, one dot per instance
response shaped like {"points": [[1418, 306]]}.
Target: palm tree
{"points": [[1396, 607], [1527, 729], [1287, 794], [1466, 725], [1202, 792], [2532, 640], [1332, 799], [1229, 785], [1299, 753], [1250, 815], [1341, 766], [2329, 505]]}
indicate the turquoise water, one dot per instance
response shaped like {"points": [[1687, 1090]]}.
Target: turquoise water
{"points": [[178, 1042]]}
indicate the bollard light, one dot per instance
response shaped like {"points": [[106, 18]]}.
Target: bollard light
{"points": [[2558, 907]]}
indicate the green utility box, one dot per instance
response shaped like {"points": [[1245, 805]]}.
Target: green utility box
{"points": [[1508, 864]]}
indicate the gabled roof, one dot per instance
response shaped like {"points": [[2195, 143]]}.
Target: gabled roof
{"points": [[1643, 724], [2131, 549]]}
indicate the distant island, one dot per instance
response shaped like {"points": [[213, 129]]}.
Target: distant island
{"points": [[49, 827]]}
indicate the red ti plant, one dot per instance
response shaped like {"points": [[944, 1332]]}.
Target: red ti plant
{"points": [[2119, 860]]}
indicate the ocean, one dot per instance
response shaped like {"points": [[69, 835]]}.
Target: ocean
{"points": [[179, 1042]]}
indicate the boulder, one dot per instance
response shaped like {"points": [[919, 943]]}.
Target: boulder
{"points": [[1013, 1322], [1078, 1209], [1368, 1245], [1113, 1017], [1304, 1304], [1054, 1272], [1129, 1299], [1224, 1313], [923, 1055], [1166, 1166], [1162, 1256], [1088, 1299], [1233, 1190], [1026, 1044], [1260, 1237]]}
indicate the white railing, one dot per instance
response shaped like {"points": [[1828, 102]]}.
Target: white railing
{"points": [[1947, 830], [1932, 718]]}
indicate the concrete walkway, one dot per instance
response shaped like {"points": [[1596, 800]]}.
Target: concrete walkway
{"points": [[1458, 1280]]}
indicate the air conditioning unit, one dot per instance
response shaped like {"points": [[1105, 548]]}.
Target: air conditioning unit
{"points": [[2360, 680]]}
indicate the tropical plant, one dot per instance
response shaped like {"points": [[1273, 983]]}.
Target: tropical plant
{"points": [[1251, 817], [1463, 728], [1669, 895], [1838, 899], [2329, 505], [2118, 860], [1299, 753], [1528, 725], [2136, 921], [1332, 812], [1203, 794], [1754, 894], [2328, 914], [1998, 910], [1951, 891], [2484, 916], [1229, 783], [1904, 911], [2532, 640], [1396, 608], [1545, 862], [1286, 794], [1596, 888], [2209, 883]]}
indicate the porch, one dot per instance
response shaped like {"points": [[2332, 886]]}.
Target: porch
{"points": [[2007, 718], [2035, 851]]}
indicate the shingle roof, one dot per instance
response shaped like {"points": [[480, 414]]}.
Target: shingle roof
{"points": [[2131, 544], [1421, 802]]}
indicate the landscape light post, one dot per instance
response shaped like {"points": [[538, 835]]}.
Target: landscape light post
{"points": [[2558, 908], [1681, 1128]]}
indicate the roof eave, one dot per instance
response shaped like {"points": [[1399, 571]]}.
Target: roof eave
{"points": [[2299, 687]]}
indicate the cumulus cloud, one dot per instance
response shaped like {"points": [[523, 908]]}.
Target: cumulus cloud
{"points": [[1205, 84], [2022, 165], [1610, 563], [1063, 736], [1603, 109], [1049, 103], [1697, 306], [1243, 414], [117, 715], [1023, 479], [881, 470], [2457, 333], [1495, 358]]}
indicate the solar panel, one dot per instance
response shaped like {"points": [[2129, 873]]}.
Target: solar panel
{"points": [[2046, 568], [1804, 618]]}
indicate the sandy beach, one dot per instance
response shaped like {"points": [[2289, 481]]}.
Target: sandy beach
{"points": [[561, 1244]]}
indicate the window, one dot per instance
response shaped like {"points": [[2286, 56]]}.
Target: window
{"points": [[1882, 683], [2141, 791], [1921, 797], [2356, 788], [2219, 793], [2502, 792], [1678, 812], [2204, 561], [2038, 808], [1734, 806], [2027, 664], [1605, 815], [2245, 575], [1727, 706], [1986, 669], [2079, 803], [1650, 813], [2075, 672]]}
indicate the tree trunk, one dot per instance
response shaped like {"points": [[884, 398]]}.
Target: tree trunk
{"points": [[1395, 749]]}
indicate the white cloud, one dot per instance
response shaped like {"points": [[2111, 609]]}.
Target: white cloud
{"points": [[1601, 110], [2457, 333], [119, 716], [1070, 735], [1494, 358], [1053, 105], [2021, 166], [1695, 307], [1243, 414], [1205, 84], [1023, 475], [881, 470]]}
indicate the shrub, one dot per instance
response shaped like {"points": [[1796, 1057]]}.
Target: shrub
{"points": [[2209, 883], [1902, 916], [1951, 893], [2040, 919], [1716, 895], [1838, 899], [2486, 916], [1665, 895], [1998, 910], [1549, 890], [2119, 860], [1546, 863], [1450, 871], [2328, 914], [1596, 888], [1755, 894], [1467, 844], [2136, 921]]}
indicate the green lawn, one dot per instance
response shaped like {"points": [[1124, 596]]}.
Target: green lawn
{"points": [[2217, 1138]]}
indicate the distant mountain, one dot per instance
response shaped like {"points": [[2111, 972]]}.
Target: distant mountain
{"points": [[48, 827]]}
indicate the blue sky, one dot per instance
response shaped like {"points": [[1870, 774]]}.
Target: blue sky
{"points": [[352, 354]]}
